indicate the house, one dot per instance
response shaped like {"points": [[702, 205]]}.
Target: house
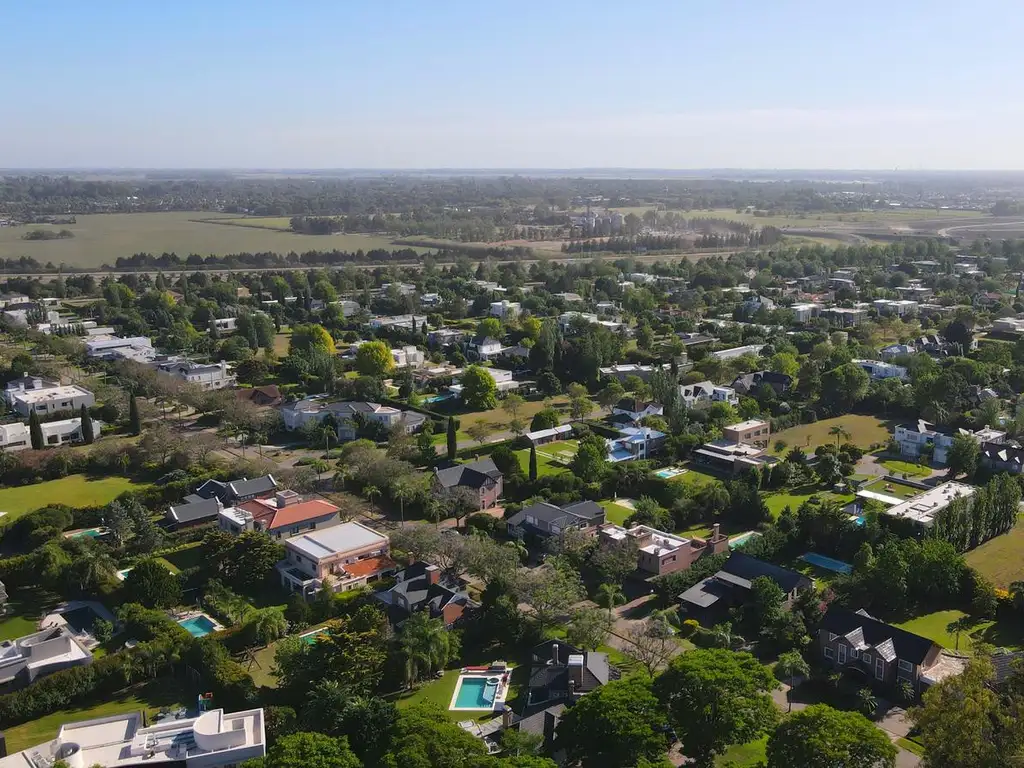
{"points": [[635, 443], [756, 303], [422, 587], [283, 515], [484, 348], [888, 655], [913, 439], [267, 396], [695, 339], [408, 355], [914, 292], [732, 457], [703, 394], [14, 437], [844, 317], [893, 351], [635, 409], [749, 383], [341, 557], [348, 307], [505, 309], [57, 433], [899, 308], [502, 379], [41, 653], [1013, 326], [430, 300], [405, 322], [567, 320], [482, 477], [622, 372], [445, 337], [544, 436], [206, 376], [752, 432], [137, 348], [214, 739], [924, 507], [34, 394], [560, 673], [236, 491], [543, 520], [1002, 457], [225, 324], [569, 298], [349, 416], [878, 370], [195, 511], [734, 352], [659, 553], [709, 600], [804, 312]]}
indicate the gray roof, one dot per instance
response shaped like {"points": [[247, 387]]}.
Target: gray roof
{"points": [[196, 510], [236, 490], [705, 593], [476, 474]]}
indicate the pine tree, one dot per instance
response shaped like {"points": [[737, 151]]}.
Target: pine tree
{"points": [[88, 436], [134, 420], [453, 443], [35, 431], [533, 463]]}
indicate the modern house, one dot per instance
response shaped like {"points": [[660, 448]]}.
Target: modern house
{"points": [[283, 515], [659, 553], [34, 394], [623, 371], [485, 348], [1013, 326], [704, 394], [888, 655], [206, 376], [544, 436], [340, 558], [502, 378], [733, 352], [137, 348], [635, 443], [914, 438], [749, 383], [214, 739], [481, 477], [709, 601], [348, 415], [878, 369], [422, 587], [845, 317], [38, 654], [404, 322], [445, 337], [752, 432], [804, 312], [544, 521], [408, 356], [923, 507], [17, 437], [732, 457], [566, 320], [899, 307], [505, 309], [236, 491], [634, 409]]}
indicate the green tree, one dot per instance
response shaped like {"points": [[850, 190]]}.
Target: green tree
{"points": [[843, 387], [479, 430], [619, 724], [588, 628], [610, 395], [35, 432], [479, 391], [150, 583], [250, 559], [489, 327], [590, 460], [374, 358], [88, 436], [790, 666], [962, 458], [839, 432], [545, 418], [424, 737], [134, 419], [265, 625], [453, 444], [425, 646], [513, 405], [307, 750], [309, 337], [822, 737], [610, 595], [533, 462], [716, 698], [764, 603]]}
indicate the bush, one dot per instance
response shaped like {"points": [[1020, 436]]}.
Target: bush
{"points": [[689, 628]]}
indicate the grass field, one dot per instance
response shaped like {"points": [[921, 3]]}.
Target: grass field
{"points": [[747, 755], [1001, 560], [793, 498], [548, 460], [150, 697], [864, 430], [25, 608], [100, 238], [823, 220], [898, 467], [191, 556], [283, 223], [615, 513], [73, 490], [899, 490]]}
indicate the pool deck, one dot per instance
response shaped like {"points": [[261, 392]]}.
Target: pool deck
{"points": [[56, 619], [483, 673], [184, 616]]}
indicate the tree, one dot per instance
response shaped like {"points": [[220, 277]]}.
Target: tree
{"points": [[308, 337], [513, 405], [610, 595], [790, 666], [479, 430], [425, 646], [580, 404], [35, 432], [374, 358], [588, 628], [619, 724], [590, 460], [533, 462], [764, 603], [88, 436], [716, 698], [453, 444], [962, 457], [265, 625], [550, 592], [843, 387], [829, 469], [134, 420], [651, 644], [822, 737], [371, 492], [249, 559], [839, 432], [611, 394], [479, 390], [424, 737], [308, 750], [545, 418], [489, 327], [151, 584]]}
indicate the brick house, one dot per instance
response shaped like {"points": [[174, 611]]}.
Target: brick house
{"points": [[659, 553], [482, 477], [752, 432]]}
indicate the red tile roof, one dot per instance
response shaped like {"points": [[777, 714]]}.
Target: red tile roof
{"points": [[369, 566], [272, 517]]}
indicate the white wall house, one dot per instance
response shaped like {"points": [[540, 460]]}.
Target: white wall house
{"points": [[206, 376], [30, 394], [408, 356], [225, 323], [137, 348], [877, 369], [505, 309], [704, 394], [804, 312], [913, 438], [899, 308]]}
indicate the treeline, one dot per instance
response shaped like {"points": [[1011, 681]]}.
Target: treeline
{"points": [[658, 243], [990, 511], [48, 234]]}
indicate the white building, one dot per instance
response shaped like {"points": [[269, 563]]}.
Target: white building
{"points": [[399, 321], [408, 356], [642, 277], [502, 378], [206, 376], [298, 414], [913, 438], [704, 394], [14, 437], [38, 654], [137, 348], [1009, 325], [30, 394], [734, 352], [225, 324], [877, 369], [505, 309], [899, 308], [804, 312], [214, 739], [566, 320], [923, 508]]}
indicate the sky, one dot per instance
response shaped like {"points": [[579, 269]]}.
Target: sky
{"points": [[674, 84]]}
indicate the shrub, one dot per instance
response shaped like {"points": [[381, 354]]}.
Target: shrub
{"points": [[689, 628]]}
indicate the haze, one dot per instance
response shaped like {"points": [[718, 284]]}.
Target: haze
{"points": [[910, 85]]}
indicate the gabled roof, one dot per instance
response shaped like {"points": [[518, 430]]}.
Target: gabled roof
{"points": [[195, 510], [235, 490], [588, 510], [273, 517], [889, 641], [750, 568], [476, 474], [750, 381]]}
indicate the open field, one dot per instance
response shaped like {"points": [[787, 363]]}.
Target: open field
{"points": [[74, 490], [864, 430], [282, 223], [897, 217], [1001, 560], [101, 238]]}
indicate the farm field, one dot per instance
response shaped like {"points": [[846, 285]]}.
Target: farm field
{"points": [[864, 430], [74, 490], [896, 218], [998, 559], [101, 238]]}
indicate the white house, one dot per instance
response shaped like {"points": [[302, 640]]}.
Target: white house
{"points": [[703, 394], [298, 414], [486, 348], [399, 321], [408, 356], [66, 431], [505, 309], [40, 653], [899, 308], [734, 352], [14, 437], [30, 394], [137, 348], [877, 369], [924, 507], [806, 311], [502, 378], [1010, 325], [225, 324], [206, 376], [912, 439], [566, 320]]}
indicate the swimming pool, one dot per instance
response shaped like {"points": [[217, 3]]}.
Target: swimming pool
{"points": [[80, 619], [828, 563], [199, 626], [669, 472], [743, 538], [438, 398], [859, 520], [310, 637], [476, 693]]}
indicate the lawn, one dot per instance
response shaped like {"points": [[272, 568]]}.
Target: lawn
{"points": [[1001, 560], [498, 419], [615, 513], [150, 697], [746, 755], [898, 467], [73, 490], [192, 556], [281, 342], [25, 607], [864, 431], [551, 458], [696, 477], [793, 498], [899, 490]]}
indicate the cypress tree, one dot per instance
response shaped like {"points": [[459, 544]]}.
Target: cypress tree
{"points": [[35, 431], [134, 420], [453, 443], [533, 463], [88, 436]]}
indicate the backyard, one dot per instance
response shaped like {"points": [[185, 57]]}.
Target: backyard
{"points": [[890, 488], [999, 560], [73, 490], [616, 513], [552, 458], [24, 610], [794, 497], [864, 432]]}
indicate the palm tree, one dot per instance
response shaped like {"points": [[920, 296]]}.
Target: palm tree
{"points": [[371, 492], [402, 489], [609, 595], [267, 625], [425, 646], [319, 466], [958, 626], [839, 431], [791, 666], [521, 550], [93, 564], [866, 702], [130, 667]]}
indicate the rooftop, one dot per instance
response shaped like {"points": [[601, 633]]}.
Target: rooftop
{"points": [[339, 538], [923, 507], [743, 426]]}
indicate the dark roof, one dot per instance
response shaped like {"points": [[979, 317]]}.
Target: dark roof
{"points": [[196, 510], [906, 645], [542, 651], [1002, 453], [705, 593], [1004, 664], [750, 568], [751, 381], [585, 509], [543, 722], [473, 475], [632, 404], [620, 419], [549, 677], [235, 490], [266, 395]]}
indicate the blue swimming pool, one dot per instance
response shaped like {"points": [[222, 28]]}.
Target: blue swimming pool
{"points": [[828, 563], [859, 520], [198, 626], [476, 693], [742, 539]]}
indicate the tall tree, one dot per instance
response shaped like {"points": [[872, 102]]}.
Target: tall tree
{"points": [[533, 462], [453, 443], [35, 432], [134, 419], [962, 458], [310, 750], [88, 436], [822, 737]]}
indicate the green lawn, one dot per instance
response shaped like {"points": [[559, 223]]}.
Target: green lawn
{"points": [[25, 607], [793, 498], [864, 430], [73, 490], [1000, 559], [192, 556], [498, 419], [898, 467], [911, 746], [150, 696], [936, 627], [744, 755], [549, 457], [899, 490], [697, 477], [615, 513]]}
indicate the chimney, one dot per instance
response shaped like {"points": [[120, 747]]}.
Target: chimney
{"points": [[286, 498], [433, 574], [575, 672], [716, 531], [554, 653], [506, 718]]}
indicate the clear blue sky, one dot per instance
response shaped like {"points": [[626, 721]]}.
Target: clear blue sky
{"points": [[383, 83]]}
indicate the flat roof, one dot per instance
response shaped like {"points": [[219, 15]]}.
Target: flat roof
{"points": [[743, 426], [49, 393], [923, 507], [336, 539]]}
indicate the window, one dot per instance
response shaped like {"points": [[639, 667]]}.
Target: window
{"points": [[866, 658], [842, 654], [906, 666], [829, 653], [832, 637], [879, 668]]}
